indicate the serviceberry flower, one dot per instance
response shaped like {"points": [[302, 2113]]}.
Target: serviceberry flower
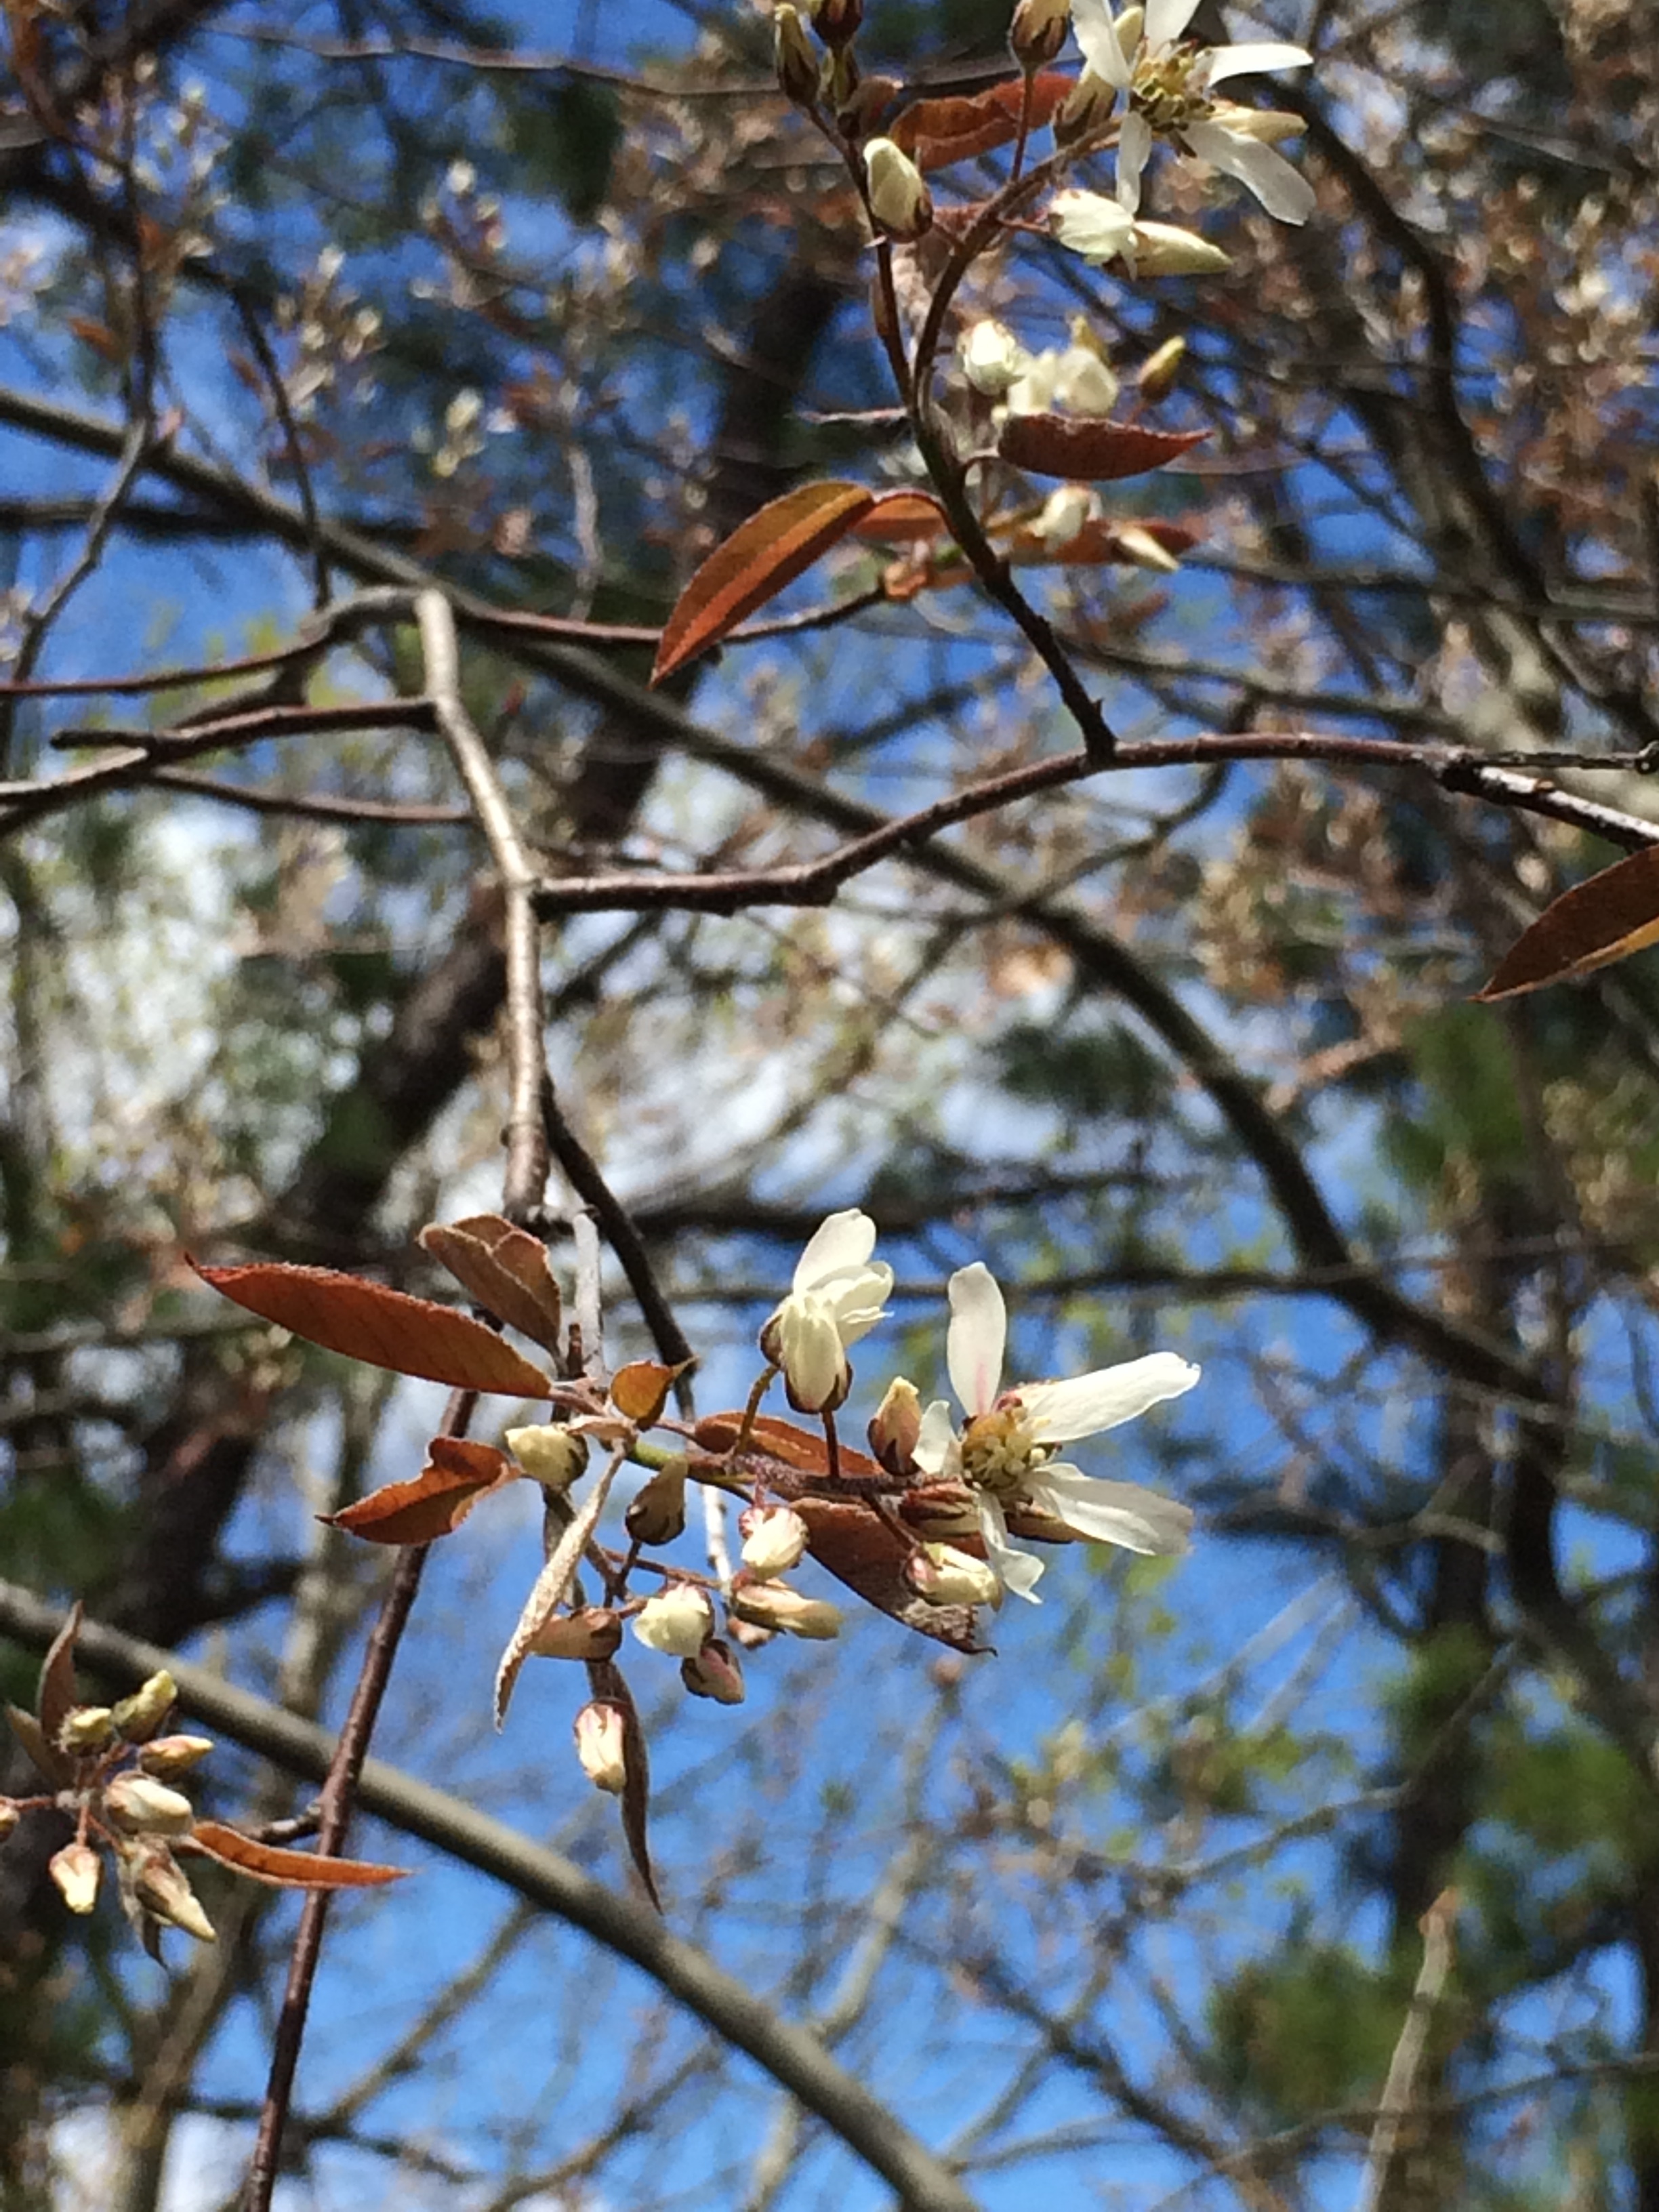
{"points": [[1169, 81], [1005, 1452], [1104, 230], [900, 201], [836, 1297]]}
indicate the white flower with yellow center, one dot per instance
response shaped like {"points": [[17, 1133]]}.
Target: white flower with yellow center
{"points": [[835, 1299], [1005, 1453], [1170, 80]]}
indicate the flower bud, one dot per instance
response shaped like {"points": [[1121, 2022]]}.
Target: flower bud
{"points": [[1086, 109], [1090, 224], [1064, 514], [775, 1538], [896, 1425], [943, 1576], [773, 1605], [550, 1455], [1159, 370], [796, 63], [1268, 126], [601, 1746], [802, 1339], [10, 1816], [1139, 545], [141, 1806], [137, 1718], [1161, 250], [169, 1756], [677, 1620], [836, 22], [591, 1632], [900, 201], [76, 1869], [860, 106], [157, 1881], [656, 1513], [1038, 32], [86, 1728], [714, 1673], [992, 357]]}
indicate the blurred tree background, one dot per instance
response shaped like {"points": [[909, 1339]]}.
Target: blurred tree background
{"points": [[1319, 1869]]}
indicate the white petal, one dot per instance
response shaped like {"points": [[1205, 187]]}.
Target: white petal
{"points": [[1015, 1569], [1167, 19], [1134, 144], [1120, 1513], [974, 1341], [1262, 56], [845, 1240], [1087, 1404], [1287, 196], [809, 1352], [1096, 36], [935, 1440], [857, 1298]]}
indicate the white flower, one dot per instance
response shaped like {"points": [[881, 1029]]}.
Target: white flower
{"points": [[836, 1297], [775, 1538], [993, 358], [1004, 1455], [1073, 378], [1169, 84], [602, 1746], [1100, 229], [1065, 514], [677, 1620]]}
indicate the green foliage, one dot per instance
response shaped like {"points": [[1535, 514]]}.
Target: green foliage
{"points": [[566, 143], [1308, 2031], [1091, 1073]]}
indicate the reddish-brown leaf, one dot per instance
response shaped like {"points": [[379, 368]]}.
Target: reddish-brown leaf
{"points": [[1606, 919], [757, 560], [863, 1550], [899, 518], [605, 1679], [458, 1474], [57, 1697], [55, 1766], [640, 1390], [505, 1269], [1087, 450], [936, 133], [771, 1438], [287, 1869], [384, 1327]]}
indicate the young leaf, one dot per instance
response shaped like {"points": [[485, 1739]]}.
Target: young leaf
{"points": [[287, 1869], [1606, 919], [383, 1327], [1088, 450], [936, 133], [458, 1474], [757, 560], [640, 1390], [899, 518], [56, 1767], [505, 1270], [549, 1589], [57, 1696]]}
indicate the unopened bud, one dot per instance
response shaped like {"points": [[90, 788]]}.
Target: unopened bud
{"points": [[993, 358], [1065, 513], [677, 1620], [549, 1454], [591, 1632], [796, 62], [141, 1806], [86, 1728], [137, 1718], [1139, 545], [861, 107], [1159, 370], [601, 1746], [1268, 126], [76, 1869], [10, 1816], [1086, 109], [1162, 250], [656, 1513], [896, 1425], [775, 1538], [943, 1576], [157, 1880], [836, 22], [714, 1673], [1038, 32], [900, 201], [773, 1605], [171, 1755]]}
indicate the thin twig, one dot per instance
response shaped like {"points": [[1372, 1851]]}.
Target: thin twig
{"points": [[1392, 2113]]}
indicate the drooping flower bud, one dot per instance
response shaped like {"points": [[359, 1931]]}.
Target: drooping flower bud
{"points": [[601, 1746], [1162, 250], [836, 22], [141, 1806], [714, 1673], [943, 1576], [775, 1605], [157, 1881], [1139, 546], [1159, 370], [170, 1756], [796, 62], [775, 1538], [1064, 514], [896, 1425], [76, 1869], [1038, 32], [592, 1631], [1090, 224], [900, 201], [137, 1718], [550, 1455], [677, 1620], [86, 1728], [992, 357], [656, 1513]]}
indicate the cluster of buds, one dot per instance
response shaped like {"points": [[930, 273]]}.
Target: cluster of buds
{"points": [[114, 1772], [830, 81]]}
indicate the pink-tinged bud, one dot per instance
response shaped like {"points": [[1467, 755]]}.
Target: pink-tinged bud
{"points": [[10, 1816], [775, 1538], [76, 1869], [793, 57], [900, 201], [943, 1576], [714, 1673], [1158, 372], [86, 1728], [549, 1454], [141, 1806], [678, 1621], [157, 1881], [137, 1718], [601, 1746], [836, 22], [1038, 32], [773, 1605], [748, 1635], [896, 1425], [169, 1756], [656, 1513], [590, 1633]]}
